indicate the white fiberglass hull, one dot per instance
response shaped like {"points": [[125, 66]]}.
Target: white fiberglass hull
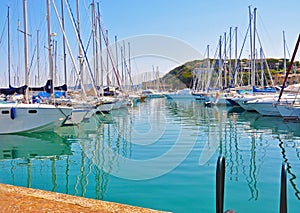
{"points": [[105, 107], [179, 96], [15, 118], [265, 108], [121, 103], [78, 115], [243, 103], [219, 99], [267, 105], [245, 100], [288, 111]]}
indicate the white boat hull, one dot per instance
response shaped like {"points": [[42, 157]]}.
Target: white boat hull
{"points": [[16, 118], [105, 107], [121, 103], [267, 105], [265, 108], [180, 96], [288, 111], [244, 105]]}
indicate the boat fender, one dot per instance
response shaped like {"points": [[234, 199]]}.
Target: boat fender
{"points": [[13, 113]]}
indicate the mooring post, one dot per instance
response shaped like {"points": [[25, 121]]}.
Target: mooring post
{"points": [[220, 177], [283, 197]]}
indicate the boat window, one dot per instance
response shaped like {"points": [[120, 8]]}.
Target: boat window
{"points": [[5, 112], [32, 111]]}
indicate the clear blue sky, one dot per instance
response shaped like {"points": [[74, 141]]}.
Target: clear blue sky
{"points": [[196, 22], [201, 22]]}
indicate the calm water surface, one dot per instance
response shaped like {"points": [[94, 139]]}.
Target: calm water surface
{"points": [[162, 155]]}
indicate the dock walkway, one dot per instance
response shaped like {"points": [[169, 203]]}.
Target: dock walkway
{"points": [[20, 199]]}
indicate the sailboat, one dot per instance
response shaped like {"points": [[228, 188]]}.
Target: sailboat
{"points": [[26, 117], [291, 109], [254, 98], [10, 90], [19, 117]]}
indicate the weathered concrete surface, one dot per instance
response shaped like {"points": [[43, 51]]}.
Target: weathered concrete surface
{"points": [[20, 199]]}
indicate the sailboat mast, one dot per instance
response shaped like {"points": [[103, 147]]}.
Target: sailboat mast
{"points": [[107, 64], [122, 65], [95, 44], [117, 58], [157, 78], [38, 55], [251, 54], [225, 60], [230, 65], [236, 57], [100, 46], [124, 60], [8, 46], [81, 55], [129, 62], [290, 67], [69, 49], [207, 78], [220, 63], [284, 53], [64, 43], [50, 47], [207, 50], [254, 55], [262, 67], [25, 49]]}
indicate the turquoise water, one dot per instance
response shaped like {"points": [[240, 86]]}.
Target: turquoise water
{"points": [[162, 155]]}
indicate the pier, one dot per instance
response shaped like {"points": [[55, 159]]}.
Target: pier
{"points": [[20, 199]]}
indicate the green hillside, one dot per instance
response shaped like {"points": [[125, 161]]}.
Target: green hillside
{"points": [[181, 76]]}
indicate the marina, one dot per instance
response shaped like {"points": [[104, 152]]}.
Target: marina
{"points": [[144, 122]]}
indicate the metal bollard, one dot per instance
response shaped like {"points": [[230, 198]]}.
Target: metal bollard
{"points": [[220, 177], [283, 196]]}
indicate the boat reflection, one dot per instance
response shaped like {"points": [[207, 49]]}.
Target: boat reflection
{"points": [[33, 145], [277, 125], [285, 132], [226, 132], [25, 152], [289, 166], [85, 128]]}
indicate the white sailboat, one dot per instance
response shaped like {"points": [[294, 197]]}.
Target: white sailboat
{"points": [[267, 105], [24, 117], [291, 110]]}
